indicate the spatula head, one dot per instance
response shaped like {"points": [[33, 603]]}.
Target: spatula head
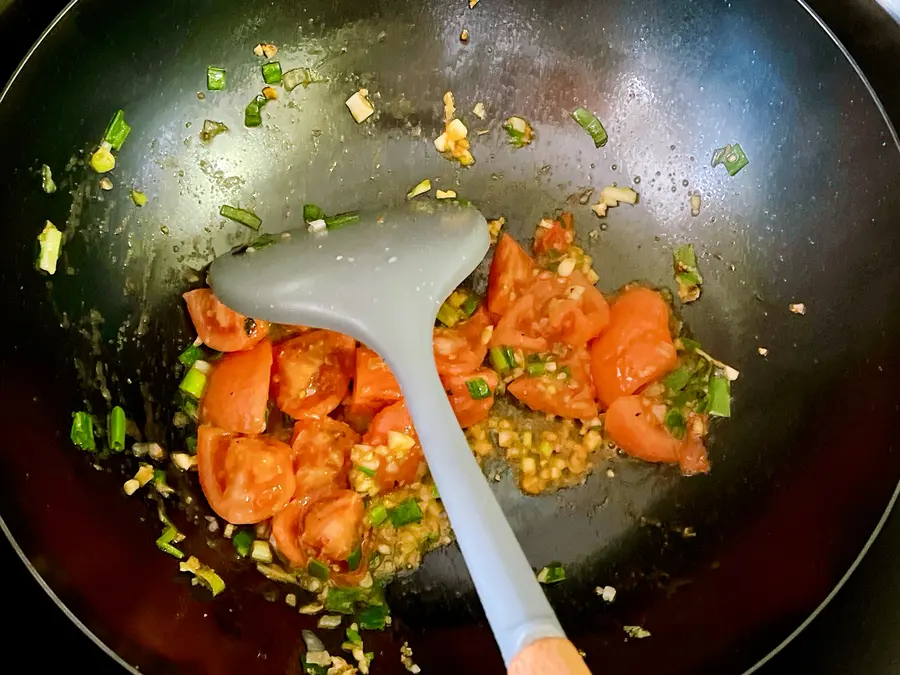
{"points": [[368, 279]]}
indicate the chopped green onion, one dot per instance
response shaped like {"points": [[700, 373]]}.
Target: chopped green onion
{"points": [[211, 129], [354, 637], [138, 197], [116, 429], [378, 514], [589, 122], [370, 656], [311, 668], [242, 216], [103, 160], [677, 379], [342, 600], [164, 543], [117, 131], [552, 574], [253, 112], [318, 569], [503, 358], [478, 388], [355, 558], [206, 575], [82, 433], [242, 541], [50, 242], [449, 316], [191, 443], [341, 219], [732, 156], [566, 372], [689, 345], [272, 72], [312, 212], [675, 423], [47, 184], [719, 397], [405, 512], [366, 470], [420, 189], [215, 78], [194, 382], [686, 273], [534, 367], [373, 617], [191, 355], [519, 131], [470, 305]]}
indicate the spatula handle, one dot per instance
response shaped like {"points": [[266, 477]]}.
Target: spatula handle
{"points": [[550, 656], [513, 601]]}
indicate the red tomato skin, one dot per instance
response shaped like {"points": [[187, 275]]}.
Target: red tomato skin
{"points": [[633, 425], [511, 270], [401, 470], [636, 347], [374, 385], [219, 327], [245, 479], [468, 410], [312, 372], [461, 349], [320, 448], [237, 391]]}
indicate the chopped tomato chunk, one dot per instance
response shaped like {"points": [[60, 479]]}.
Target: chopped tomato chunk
{"points": [[320, 449], [237, 391], [219, 327], [374, 385], [636, 348], [246, 479], [566, 392], [635, 424], [462, 349], [327, 528], [399, 466], [553, 310], [468, 409], [511, 270], [312, 372], [558, 237]]}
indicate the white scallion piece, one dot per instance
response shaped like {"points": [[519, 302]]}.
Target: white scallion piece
{"points": [[261, 551], [317, 225], [50, 240], [360, 107], [329, 621]]}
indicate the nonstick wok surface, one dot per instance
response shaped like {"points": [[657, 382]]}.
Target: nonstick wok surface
{"points": [[803, 471]]}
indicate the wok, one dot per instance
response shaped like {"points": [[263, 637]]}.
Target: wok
{"points": [[802, 474]]}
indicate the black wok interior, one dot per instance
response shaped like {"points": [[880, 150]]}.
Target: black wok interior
{"points": [[802, 473]]}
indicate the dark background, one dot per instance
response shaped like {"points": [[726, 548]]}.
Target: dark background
{"points": [[856, 633]]}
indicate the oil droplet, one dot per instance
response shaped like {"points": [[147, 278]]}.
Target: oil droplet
{"points": [[614, 167], [685, 182], [637, 180]]}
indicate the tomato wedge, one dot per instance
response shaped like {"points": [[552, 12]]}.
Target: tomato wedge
{"points": [[320, 448], [327, 528], [571, 397], [312, 372], [374, 385], [246, 479], [237, 391], [553, 310], [636, 348], [462, 349], [554, 235], [469, 410], [635, 424], [511, 270], [395, 467], [219, 327]]}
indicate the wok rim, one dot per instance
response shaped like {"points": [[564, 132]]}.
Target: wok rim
{"points": [[879, 526]]}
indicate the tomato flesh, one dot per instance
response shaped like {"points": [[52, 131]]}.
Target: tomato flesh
{"points": [[319, 449], [219, 327], [571, 396], [511, 270], [636, 348], [396, 467], [245, 479], [312, 372], [461, 349], [237, 391], [557, 238], [468, 410], [374, 385]]}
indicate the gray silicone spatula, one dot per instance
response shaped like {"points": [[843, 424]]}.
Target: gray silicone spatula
{"points": [[382, 280]]}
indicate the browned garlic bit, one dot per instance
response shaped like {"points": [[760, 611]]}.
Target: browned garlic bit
{"points": [[265, 49], [453, 142], [798, 308], [360, 107]]}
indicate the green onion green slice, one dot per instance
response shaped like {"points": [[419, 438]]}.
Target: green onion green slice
{"points": [[116, 429], [478, 388], [272, 72], [117, 131], [242, 216], [589, 122], [215, 78], [242, 540], [405, 512], [82, 433], [719, 397], [552, 574]]}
